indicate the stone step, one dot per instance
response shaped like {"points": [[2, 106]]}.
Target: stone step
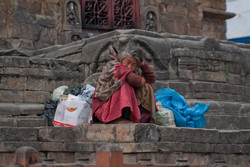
{"points": [[67, 144], [24, 121], [225, 115], [21, 115], [16, 109], [221, 114]]}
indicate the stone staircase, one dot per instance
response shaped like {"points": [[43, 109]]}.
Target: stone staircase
{"points": [[21, 115], [201, 69]]}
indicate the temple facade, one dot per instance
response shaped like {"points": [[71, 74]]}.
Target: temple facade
{"points": [[47, 23]]}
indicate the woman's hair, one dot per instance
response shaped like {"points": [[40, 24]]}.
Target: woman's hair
{"points": [[137, 53]]}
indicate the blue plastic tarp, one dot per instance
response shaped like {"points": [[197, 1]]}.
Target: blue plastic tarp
{"points": [[185, 116]]}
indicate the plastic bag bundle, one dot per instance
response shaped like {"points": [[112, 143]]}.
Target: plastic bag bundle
{"points": [[58, 92], [164, 116], [184, 115], [75, 110]]}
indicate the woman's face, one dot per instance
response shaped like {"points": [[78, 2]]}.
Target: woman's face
{"points": [[130, 62]]}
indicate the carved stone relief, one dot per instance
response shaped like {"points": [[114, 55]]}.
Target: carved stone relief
{"points": [[71, 15], [151, 22]]}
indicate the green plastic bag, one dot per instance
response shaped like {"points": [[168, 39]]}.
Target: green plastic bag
{"points": [[164, 116]]}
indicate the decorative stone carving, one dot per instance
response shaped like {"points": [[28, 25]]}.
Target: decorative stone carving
{"points": [[72, 15], [151, 22]]}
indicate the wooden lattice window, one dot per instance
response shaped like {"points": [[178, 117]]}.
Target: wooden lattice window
{"points": [[110, 14]]}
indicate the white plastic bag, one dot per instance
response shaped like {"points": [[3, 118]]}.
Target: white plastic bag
{"points": [[72, 112], [164, 116], [58, 92]]}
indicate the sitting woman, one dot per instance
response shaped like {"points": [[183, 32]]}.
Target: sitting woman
{"points": [[121, 95]]}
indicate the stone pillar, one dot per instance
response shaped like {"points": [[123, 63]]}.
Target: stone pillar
{"points": [[109, 156], [26, 156]]}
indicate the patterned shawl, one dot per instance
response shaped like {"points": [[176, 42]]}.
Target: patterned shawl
{"points": [[111, 79]]}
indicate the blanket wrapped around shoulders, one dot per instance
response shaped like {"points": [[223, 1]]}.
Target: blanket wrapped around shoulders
{"points": [[111, 79]]}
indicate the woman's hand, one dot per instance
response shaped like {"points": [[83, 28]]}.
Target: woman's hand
{"points": [[142, 63]]}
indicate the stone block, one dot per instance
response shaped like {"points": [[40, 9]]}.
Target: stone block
{"points": [[185, 74], [170, 146], [12, 146], [207, 95], [160, 85], [199, 135], [29, 109], [36, 84], [210, 76], [18, 134], [11, 71], [14, 61], [197, 147], [85, 147], [228, 148], [13, 82], [246, 149], [101, 133], [10, 109], [7, 159], [62, 157], [52, 146], [170, 134], [125, 133], [229, 122], [244, 136], [162, 75], [149, 147], [36, 96], [180, 86], [231, 108], [30, 122], [37, 72], [206, 86], [177, 10], [146, 133], [56, 134], [81, 131], [11, 96], [229, 137], [10, 122]]}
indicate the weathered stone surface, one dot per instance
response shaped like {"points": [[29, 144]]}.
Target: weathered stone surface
{"points": [[13, 83], [29, 109], [62, 157], [14, 61], [146, 132], [11, 71], [11, 96], [125, 133], [8, 121], [18, 134], [101, 133], [54, 134], [138, 147], [30, 122], [36, 96], [229, 122]]}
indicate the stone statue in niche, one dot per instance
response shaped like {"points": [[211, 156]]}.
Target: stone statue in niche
{"points": [[72, 13], [151, 23], [75, 38]]}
